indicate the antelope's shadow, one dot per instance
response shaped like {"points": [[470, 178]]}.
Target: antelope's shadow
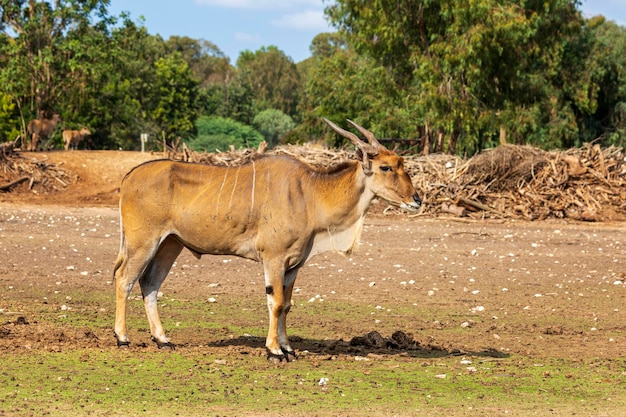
{"points": [[373, 342]]}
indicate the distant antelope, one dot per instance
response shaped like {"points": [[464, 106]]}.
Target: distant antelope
{"points": [[72, 138], [275, 209], [39, 128]]}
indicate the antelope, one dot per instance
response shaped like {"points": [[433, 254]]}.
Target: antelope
{"points": [[276, 210], [73, 137], [41, 127]]}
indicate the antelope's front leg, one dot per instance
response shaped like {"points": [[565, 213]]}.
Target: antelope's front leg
{"points": [[290, 280], [274, 276]]}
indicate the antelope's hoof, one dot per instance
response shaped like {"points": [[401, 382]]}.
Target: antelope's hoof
{"points": [[164, 345], [279, 358], [276, 358], [121, 343], [290, 355]]}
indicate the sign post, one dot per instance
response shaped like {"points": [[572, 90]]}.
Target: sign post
{"points": [[144, 139]]}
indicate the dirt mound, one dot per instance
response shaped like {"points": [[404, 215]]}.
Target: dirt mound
{"points": [[67, 178]]}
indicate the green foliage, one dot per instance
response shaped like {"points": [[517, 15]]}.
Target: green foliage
{"points": [[174, 111], [364, 92], [220, 133], [275, 79], [9, 118], [459, 75], [205, 59], [232, 99], [121, 101], [273, 125], [470, 69]]}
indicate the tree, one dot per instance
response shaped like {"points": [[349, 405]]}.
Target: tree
{"points": [[174, 111], [219, 133], [344, 85], [274, 79], [596, 82], [233, 98], [273, 125], [9, 118], [207, 62], [46, 59], [120, 101], [469, 67]]}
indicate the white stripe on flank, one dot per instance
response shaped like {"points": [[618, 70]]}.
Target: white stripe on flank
{"points": [[253, 187], [230, 205], [219, 194]]}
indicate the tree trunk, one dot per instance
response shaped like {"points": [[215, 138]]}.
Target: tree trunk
{"points": [[425, 139], [502, 135], [439, 143], [454, 137]]}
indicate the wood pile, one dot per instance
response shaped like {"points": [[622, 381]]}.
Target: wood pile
{"points": [[32, 175]]}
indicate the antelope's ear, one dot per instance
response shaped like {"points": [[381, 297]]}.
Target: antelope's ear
{"points": [[364, 150]]}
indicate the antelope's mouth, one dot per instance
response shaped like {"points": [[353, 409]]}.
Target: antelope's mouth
{"points": [[412, 206]]}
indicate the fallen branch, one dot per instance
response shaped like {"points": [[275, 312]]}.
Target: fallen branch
{"points": [[12, 184], [475, 204]]}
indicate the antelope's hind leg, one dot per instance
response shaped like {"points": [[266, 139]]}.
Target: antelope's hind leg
{"points": [[150, 283], [127, 270]]}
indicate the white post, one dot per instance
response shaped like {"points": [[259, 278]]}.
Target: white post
{"points": [[144, 139]]}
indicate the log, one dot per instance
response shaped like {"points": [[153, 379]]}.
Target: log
{"points": [[475, 204], [12, 184]]}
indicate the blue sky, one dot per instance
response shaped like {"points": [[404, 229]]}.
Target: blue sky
{"points": [[291, 25]]}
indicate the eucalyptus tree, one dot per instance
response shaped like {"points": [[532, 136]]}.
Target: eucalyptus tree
{"points": [[205, 59], [343, 85], [467, 69]]}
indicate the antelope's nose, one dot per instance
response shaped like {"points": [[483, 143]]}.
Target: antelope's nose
{"points": [[417, 200]]}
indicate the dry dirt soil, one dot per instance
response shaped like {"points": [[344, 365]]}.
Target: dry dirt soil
{"points": [[540, 289]]}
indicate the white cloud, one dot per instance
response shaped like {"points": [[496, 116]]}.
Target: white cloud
{"points": [[248, 37], [306, 20], [261, 4]]}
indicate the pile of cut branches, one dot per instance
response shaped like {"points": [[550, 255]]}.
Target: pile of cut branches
{"points": [[29, 174]]}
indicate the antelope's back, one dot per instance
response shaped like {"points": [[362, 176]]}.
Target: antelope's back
{"points": [[265, 197]]}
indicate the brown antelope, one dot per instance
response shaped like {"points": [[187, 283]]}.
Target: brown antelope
{"points": [[275, 209], [72, 138], [38, 128]]}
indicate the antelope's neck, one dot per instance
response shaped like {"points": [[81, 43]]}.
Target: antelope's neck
{"points": [[341, 201], [342, 196]]}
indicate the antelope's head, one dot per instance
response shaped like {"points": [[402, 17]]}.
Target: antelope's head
{"points": [[384, 170]]}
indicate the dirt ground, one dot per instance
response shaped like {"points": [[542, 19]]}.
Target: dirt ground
{"points": [[541, 289]]}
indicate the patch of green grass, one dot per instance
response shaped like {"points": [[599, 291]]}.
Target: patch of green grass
{"points": [[189, 382]]}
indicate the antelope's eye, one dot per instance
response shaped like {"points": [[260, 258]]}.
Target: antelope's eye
{"points": [[385, 168]]}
